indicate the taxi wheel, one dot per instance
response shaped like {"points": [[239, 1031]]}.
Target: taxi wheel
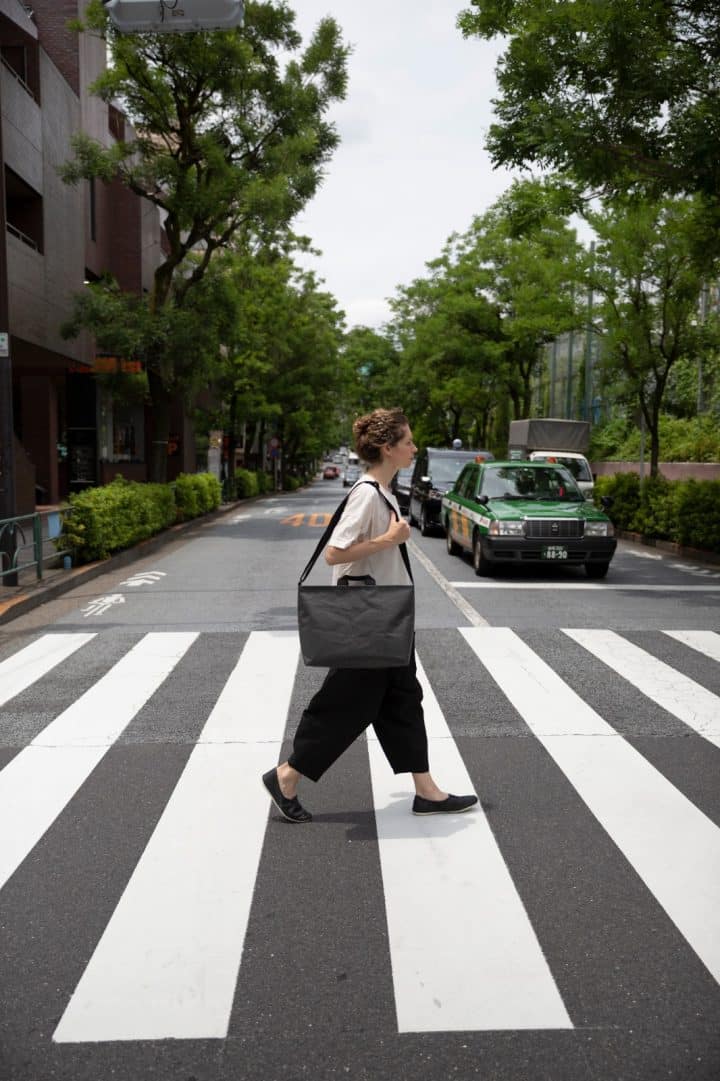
{"points": [[425, 529], [481, 565], [453, 549], [596, 570]]}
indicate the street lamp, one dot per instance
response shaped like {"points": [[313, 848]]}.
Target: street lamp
{"points": [[179, 16]]}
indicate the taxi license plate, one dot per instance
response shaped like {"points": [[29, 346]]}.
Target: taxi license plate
{"points": [[554, 551]]}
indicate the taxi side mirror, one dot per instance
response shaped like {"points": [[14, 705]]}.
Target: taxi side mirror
{"points": [[484, 499], [425, 481], [607, 501]]}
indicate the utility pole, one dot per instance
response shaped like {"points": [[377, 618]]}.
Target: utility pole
{"points": [[7, 451], [703, 316]]}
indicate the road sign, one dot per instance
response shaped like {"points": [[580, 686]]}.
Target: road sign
{"points": [[160, 16]]}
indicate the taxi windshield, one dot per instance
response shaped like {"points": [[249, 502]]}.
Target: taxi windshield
{"points": [[530, 482]]}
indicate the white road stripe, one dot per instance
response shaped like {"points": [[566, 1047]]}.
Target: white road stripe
{"points": [[707, 642], [494, 583], [167, 963], [672, 845], [678, 694], [464, 953], [471, 614], [28, 665], [36, 785]]}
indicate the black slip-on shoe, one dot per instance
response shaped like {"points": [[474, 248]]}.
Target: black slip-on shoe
{"points": [[291, 809], [451, 805]]}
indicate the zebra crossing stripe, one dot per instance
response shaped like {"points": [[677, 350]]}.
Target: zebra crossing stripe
{"points": [[687, 700], [707, 642], [36, 785], [167, 963], [475, 963], [671, 844], [31, 663]]}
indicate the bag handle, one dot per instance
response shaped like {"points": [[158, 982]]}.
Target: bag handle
{"points": [[334, 521]]}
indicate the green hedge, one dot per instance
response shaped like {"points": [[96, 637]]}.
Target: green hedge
{"points": [[686, 511], [196, 493], [117, 515]]}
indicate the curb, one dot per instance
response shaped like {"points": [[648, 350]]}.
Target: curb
{"points": [[701, 555], [35, 596]]}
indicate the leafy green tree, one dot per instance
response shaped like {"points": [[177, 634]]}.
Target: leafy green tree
{"points": [[620, 94], [529, 263], [230, 141], [282, 372], [647, 274]]}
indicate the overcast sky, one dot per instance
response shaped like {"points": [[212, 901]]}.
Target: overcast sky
{"points": [[412, 167]]}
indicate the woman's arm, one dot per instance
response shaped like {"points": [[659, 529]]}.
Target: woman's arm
{"points": [[396, 534]]}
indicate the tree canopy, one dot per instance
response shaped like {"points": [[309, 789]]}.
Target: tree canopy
{"points": [[620, 94], [230, 141]]}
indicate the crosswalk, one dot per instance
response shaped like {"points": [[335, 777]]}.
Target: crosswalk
{"points": [[169, 957]]}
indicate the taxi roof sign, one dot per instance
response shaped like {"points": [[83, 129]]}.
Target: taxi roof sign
{"points": [[178, 16]]}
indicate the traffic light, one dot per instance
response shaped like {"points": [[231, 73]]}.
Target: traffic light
{"points": [[178, 16]]}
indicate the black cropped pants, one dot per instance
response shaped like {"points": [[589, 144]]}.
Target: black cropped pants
{"points": [[350, 699]]}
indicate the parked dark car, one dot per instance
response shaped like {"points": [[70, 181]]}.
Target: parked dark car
{"points": [[401, 487], [436, 469]]}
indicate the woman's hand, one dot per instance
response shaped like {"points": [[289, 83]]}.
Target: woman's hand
{"points": [[399, 532]]}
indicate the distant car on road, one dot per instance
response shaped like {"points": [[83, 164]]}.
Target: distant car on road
{"points": [[351, 475], [526, 512], [330, 471]]}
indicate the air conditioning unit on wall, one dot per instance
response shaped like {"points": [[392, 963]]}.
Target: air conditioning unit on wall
{"points": [[178, 16]]}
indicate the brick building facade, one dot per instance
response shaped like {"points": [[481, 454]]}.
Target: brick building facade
{"points": [[70, 431]]}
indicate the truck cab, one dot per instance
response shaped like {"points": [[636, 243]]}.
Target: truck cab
{"points": [[576, 463]]}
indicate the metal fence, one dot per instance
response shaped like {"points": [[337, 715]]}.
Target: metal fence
{"points": [[29, 535]]}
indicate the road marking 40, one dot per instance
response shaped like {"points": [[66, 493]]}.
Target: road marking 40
{"points": [[317, 519]]}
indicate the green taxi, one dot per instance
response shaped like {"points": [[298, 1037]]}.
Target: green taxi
{"points": [[525, 512]]}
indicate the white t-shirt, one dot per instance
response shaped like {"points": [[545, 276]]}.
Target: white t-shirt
{"points": [[365, 517]]}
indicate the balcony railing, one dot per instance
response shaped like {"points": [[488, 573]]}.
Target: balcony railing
{"points": [[18, 78], [22, 236]]}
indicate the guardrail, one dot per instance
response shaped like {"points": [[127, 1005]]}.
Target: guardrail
{"points": [[42, 527]]}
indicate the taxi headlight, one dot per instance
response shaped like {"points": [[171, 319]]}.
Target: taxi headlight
{"points": [[599, 529], [506, 529]]}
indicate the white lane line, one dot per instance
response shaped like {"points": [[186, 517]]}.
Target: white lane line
{"points": [[26, 666], [707, 642], [464, 953], [471, 614], [628, 551], [678, 694], [36, 785], [167, 964], [671, 844], [494, 583]]}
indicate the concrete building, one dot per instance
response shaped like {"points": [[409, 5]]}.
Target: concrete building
{"points": [[70, 432]]}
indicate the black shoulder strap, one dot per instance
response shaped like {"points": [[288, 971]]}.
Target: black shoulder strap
{"points": [[334, 521]]}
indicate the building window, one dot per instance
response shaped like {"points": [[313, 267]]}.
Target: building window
{"points": [[21, 60], [23, 211]]}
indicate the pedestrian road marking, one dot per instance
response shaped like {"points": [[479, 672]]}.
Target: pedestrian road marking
{"points": [[100, 605], [687, 700], [707, 642], [38, 782], [671, 844], [479, 966], [167, 964], [29, 664]]}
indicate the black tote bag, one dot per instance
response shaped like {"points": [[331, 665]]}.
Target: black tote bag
{"points": [[355, 626]]}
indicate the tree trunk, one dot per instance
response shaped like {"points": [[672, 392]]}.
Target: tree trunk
{"points": [[161, 400], [232, 436]]}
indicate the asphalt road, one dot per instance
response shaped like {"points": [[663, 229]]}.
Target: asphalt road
{"points": [[158, 921]]}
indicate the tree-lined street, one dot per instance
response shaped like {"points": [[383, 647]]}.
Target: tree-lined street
{"points": [[159, 919]]}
